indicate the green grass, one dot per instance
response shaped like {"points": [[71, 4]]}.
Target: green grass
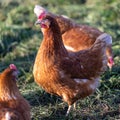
{"points": [[20, 40]]}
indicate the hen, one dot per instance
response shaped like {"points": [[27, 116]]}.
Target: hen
{"points": [[70, 75], [12, 105], [75, 36]]}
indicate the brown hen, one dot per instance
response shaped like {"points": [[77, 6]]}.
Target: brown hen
{"points": [[75, 36], [70, 75], [12, 105]]}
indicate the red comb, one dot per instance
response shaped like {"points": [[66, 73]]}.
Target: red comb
{"points": [[41, 15], [13, 67]]}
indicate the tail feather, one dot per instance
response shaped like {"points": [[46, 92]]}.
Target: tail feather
{"points": [[101, 43], [106, 38], [99, 48]]}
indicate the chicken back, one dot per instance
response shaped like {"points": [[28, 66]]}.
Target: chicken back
{"points": [[75, 36]]}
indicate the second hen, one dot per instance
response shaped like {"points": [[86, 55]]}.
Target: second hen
{"points": [[70, 75], [12, 105], [75, 36]]}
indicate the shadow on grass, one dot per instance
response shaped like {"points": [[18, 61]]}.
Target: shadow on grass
{"points": [[42, 98]]}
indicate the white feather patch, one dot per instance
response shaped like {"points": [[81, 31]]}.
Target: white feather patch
{"points": [[69, 48], [80, 80], [62, 74], [65, 16], [82, 66], [64, 97], [96, 83], [7, 116], [38, 10], [77, 80]]}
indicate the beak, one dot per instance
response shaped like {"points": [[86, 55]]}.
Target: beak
{"points": [[15, 74], [38, 22]]}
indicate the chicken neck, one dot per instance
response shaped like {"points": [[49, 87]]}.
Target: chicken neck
{"points": [[52, 45], [8, 88]]}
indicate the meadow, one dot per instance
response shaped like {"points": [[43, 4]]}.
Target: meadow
{"points": [[20, 40]]}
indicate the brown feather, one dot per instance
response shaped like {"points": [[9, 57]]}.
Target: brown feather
{"points": [[11, 101], [71, 75]]}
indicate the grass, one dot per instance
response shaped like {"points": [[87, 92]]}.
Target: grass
{"points": [[20, 40]]}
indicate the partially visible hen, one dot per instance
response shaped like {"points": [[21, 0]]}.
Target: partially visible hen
{"points": [[75, 36], [12, 105], [70, 75]]}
